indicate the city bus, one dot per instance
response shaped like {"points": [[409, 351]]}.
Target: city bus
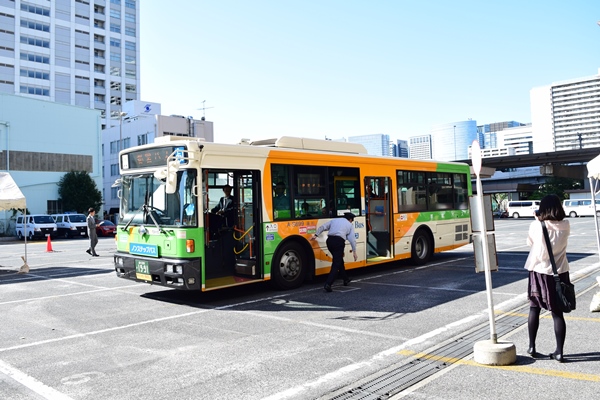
{"points": [[169, 233]]}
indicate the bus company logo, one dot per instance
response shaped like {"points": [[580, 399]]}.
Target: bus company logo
{"points": [[271, 228], [296, 223], [270, 236], [302, 230], [358, 225]]}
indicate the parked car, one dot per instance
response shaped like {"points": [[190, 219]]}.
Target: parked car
{"points": [[70, 225], [39, 226], [500, 214], [105, 228]]}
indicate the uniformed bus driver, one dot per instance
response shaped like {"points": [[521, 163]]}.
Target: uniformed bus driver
{"points": [[340, 230]]}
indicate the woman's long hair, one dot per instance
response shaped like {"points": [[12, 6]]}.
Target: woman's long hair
{"points": [[551, 209]]}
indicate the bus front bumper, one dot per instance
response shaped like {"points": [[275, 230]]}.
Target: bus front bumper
{"points": [[181, 274]]}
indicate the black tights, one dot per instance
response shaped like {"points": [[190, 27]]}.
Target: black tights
{"points": [[560, 328]]}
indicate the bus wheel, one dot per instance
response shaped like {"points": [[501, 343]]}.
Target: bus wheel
{"points": [[289, 266], [422, 248]]}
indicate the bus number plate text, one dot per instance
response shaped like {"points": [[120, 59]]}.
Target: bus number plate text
{"points": [[142, 270]]}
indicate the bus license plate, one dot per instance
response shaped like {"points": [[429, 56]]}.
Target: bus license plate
{"points": [[142, 270]]}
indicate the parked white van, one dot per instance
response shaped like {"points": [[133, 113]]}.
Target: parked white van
{"points": [[70, 225], [522, 208], [39, 226], [581, 208]]}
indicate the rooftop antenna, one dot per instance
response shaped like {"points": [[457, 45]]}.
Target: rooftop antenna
{"points": [[204, 110]]}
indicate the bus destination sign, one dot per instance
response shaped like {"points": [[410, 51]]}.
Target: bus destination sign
{"points": [[156, 157]]}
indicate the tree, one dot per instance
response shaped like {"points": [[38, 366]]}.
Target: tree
{"points": [[556, 186], [77, 191]]}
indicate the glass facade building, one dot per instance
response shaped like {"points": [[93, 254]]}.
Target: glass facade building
{"points": [[376, 144], [451, 141]]}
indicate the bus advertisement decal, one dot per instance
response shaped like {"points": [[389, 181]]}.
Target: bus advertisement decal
{"points": [[143, 249]]}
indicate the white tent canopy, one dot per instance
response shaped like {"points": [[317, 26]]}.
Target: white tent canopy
{"points": [[10, 194], [593, 168]]}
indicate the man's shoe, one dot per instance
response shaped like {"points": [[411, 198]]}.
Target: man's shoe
{"points": [[328, 288], [347, 281], [95, 255], [89, 252]]}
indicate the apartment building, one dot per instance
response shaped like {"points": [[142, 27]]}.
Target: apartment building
{"points": [[77, 52]]}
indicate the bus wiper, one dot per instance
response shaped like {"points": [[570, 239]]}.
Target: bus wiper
{"points": [[132, 217]]}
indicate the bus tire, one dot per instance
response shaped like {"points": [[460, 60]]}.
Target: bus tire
{"points": [[289, 266], [421, 249]]}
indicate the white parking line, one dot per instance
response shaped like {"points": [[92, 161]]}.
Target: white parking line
{"points": [[31, 383]]}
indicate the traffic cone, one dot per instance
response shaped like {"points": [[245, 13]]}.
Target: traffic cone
{"points": [[49, 246]]}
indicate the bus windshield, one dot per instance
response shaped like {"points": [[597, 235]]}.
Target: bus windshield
{"points": [[145, 201]]}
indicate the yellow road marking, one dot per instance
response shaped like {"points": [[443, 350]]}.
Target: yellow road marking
{"points": [[547, 315], [514, 368]]}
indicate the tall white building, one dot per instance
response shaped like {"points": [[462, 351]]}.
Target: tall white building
{"points": [[420, 147], [566, 115], [77, 52]]}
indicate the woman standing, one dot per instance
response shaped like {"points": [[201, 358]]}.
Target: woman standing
{"points": [[541, 288]]}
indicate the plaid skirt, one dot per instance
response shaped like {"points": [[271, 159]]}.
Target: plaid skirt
{"points": [[541, 290]]}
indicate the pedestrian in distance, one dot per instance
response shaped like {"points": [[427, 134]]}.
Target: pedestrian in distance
{"points": [[339, 230], [91, 230], [541, 287]]}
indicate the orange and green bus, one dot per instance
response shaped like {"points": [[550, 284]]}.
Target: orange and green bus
{"points": [[283, 189]]}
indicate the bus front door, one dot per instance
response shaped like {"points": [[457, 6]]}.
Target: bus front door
{"points": [[378, 208]]}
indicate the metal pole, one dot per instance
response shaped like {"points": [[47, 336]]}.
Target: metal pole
{"points": [[454, 142]]}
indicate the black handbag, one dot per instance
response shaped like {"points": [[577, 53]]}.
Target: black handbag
{"points": [[565, 293]]}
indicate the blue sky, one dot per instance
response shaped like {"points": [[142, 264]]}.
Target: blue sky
{"points": [[333, 68]]}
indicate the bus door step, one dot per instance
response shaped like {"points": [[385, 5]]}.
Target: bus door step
{"points": [[245, 267]]}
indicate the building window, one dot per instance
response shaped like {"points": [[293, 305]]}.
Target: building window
{"points": [[39, 91], [126, 143], [115, 56], [115, 13], [115, 28], [130, 4], [54, 206], [114, 193], [99, 98], [39, 58], [35, 41], [130, 31], [115, 42], [130, 45], [129, 17], [118, 2], [142, 139], [130, 88], [114, 147], [98, 68], [37, 74], [115, 86], [35, 25], [114, 169], [34, 9], [98, 24]]}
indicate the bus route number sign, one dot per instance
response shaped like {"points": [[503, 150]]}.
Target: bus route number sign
{"points": [[142, 270]]}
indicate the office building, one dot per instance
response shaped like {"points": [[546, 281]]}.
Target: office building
{"points": [[79, 52], [140, 123], [566, 115], [451, 141], [402, 146], [376, 144], [420, 147]]}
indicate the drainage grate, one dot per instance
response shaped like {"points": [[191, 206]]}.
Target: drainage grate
{"points": [[395, 381]]}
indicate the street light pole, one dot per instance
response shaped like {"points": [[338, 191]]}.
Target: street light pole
{"points": [[121, 115], [454, 142]]}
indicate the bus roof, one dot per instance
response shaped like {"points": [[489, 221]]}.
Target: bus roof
{"points": [[290, 142]]}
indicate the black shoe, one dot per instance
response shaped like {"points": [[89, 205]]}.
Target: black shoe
{"points": [[347, 281], [89, 252], [328, 288], [558, 357], [95, 255], [531, 351]]}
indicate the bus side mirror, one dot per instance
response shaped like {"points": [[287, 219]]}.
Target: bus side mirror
{"points": [[169, 177]]}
